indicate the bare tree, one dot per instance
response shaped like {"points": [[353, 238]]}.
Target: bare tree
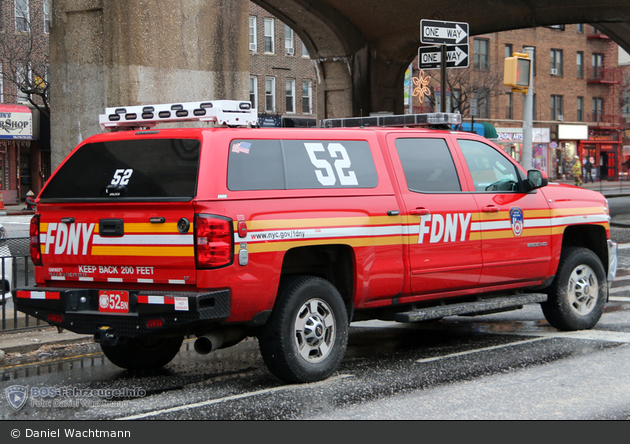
{"points": [[469, 83], [24, 55]]}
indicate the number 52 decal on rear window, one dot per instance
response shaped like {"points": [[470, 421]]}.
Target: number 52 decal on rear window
{"points": [[121, 177]]}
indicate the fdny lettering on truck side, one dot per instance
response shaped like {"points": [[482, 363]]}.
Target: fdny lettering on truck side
{"points": [[69, 239], [444, 228]]}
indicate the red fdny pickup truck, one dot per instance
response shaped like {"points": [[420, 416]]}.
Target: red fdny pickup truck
{"points": [[145, 236]]}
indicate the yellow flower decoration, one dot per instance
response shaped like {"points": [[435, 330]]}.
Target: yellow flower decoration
{"points": [[421, 83]]}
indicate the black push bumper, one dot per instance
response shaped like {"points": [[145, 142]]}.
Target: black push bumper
{"points": [[141, 313]]}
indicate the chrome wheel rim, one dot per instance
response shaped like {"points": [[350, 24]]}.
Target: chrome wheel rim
{"points": [[314, 330], [583, 290]]}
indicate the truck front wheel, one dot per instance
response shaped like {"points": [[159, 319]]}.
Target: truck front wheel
{"points": [[577, 295], [143, 353], [305, 338]]}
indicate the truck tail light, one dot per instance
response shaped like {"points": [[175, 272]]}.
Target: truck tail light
{"points": [[214, 241], [36, 251], [155, 323], [55, 318]]}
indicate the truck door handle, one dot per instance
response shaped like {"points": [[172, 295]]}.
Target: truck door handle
{"points": [[111, 227], [490, 209], [419, 212]]}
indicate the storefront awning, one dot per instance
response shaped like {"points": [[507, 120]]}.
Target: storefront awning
{"points": [[16, 122], [490, 131], [484, 129]]}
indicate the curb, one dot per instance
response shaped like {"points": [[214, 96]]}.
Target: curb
{"points": [[27, 341], [26, 348]]}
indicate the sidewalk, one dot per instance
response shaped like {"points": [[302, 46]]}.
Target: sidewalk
{"points": [[39, 342], [15, 210]]}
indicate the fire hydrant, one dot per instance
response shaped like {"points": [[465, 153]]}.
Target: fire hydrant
{"points": [[30, 202]]}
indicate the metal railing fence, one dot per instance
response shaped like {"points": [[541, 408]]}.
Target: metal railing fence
{"points": [[16, 270]]}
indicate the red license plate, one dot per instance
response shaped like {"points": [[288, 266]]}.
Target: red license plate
{"points": [[113, 301]]}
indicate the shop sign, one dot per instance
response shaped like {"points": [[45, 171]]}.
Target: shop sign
{"points": [[572, 132], [539, 135], [15, 124], [603, 137], [509, 137]]}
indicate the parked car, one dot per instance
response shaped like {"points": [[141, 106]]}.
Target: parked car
{"points": [[6, 266]]}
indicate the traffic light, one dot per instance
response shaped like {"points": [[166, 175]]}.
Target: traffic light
{"points": [[516, 72]]}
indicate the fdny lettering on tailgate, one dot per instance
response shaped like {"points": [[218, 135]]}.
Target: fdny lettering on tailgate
{"points": [[444, 228], [69, 239]]}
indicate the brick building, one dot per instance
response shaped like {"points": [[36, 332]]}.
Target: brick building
{"points": [[24, 130], [282, 77], [577, 87]]}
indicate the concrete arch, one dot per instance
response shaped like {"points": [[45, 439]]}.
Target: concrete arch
{"points": [[375, 40]]}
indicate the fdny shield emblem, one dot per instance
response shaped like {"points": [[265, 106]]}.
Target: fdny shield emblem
{"points": [[16, 395], [516, 220]]}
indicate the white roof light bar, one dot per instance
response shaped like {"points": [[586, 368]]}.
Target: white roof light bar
{"points": [[223, 112], [400, 120]]}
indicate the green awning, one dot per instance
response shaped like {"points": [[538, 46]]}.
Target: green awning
{"points": [[490, 132]]}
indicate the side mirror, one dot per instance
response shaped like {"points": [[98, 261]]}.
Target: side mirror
{"points": [[537, 178]]}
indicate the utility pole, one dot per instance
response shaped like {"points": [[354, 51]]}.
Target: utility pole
{"points": [[528, 116]]}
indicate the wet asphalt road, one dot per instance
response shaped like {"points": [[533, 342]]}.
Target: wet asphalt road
{"points": [[503, 366]]}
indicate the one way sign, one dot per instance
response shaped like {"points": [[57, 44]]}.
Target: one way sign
{"points": [[430, 57], [443, 33]]}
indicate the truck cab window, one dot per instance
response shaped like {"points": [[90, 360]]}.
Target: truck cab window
{"points": [[428, 165], [490, 170]]}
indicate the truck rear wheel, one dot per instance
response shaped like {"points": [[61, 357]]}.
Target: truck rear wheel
{"points": [[577, 295], [305, 338], [143, 353]]}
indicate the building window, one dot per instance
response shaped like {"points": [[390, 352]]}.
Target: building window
{"points": [[253, 91], [598, 107], [481, 48], [46, 10], [307, 97], [625, 101], [269, 36], [1, 90], [556, 108], [290, 95], [21, 15], [510, 107], [456, 100], [270, 94], [23, 75], [483, 102], [47, 81], [580, 28], [288, 41], [508, 50], [597, 62], [304, 51], [253, 46], [533, 57], [556, 62], [580, 109], [560, 27], [579, 64]]}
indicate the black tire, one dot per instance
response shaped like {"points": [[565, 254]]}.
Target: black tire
{"points": [[305, 338], [143, 353], [577, 296]]}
